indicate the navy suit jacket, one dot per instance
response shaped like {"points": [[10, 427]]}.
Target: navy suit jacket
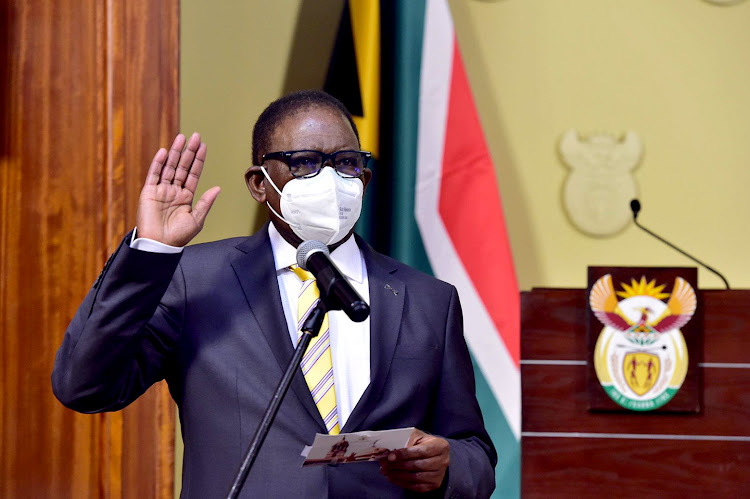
{"points": [[210, 322]]}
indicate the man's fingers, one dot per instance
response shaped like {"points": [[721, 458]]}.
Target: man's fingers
{"points": [[154, 170], [420, 467], [204, 204], [167, 173], [194, 174], [426, 447], [412, 465], [186, 159], [416, 452]]}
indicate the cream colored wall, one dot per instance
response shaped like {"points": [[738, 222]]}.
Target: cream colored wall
{"points": [[674, 71], [232, 64]]}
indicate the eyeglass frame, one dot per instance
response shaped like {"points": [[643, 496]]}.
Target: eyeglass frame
{"points": [[285, 156]]}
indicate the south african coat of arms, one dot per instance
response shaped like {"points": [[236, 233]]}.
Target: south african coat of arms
{"points": [[640, 357]]}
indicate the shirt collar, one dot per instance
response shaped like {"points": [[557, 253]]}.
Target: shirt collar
{"points": [[347, 257]]}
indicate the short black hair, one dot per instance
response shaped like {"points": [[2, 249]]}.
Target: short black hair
{"points": [[286, 106]]}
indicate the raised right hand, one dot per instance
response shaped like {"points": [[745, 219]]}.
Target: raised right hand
{"points": [[165, 208]]}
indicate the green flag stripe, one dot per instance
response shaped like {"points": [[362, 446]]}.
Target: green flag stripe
{"points": [[406, 245], [508, 469]]}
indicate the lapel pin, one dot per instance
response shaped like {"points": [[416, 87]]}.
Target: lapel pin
{"points": [[389, 288]]}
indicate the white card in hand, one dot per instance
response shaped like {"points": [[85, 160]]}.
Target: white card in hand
{"points": [[355, 447]]}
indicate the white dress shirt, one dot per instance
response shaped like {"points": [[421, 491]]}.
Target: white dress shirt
{"points": [[350, 341]]}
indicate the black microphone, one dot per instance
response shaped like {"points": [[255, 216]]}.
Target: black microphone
{"points": [[635, 206], [335, 290]]}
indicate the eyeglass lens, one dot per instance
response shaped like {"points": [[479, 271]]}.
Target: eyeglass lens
{"points": [[346, 163]]}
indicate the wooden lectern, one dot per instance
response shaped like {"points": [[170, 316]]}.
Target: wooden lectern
{"points": [[568, 451]]}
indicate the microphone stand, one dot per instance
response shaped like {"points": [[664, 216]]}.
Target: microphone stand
{"points": [[635, 221], [635, 207], [310, 329]]}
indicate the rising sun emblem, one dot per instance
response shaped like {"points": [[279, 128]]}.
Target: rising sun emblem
{"points": [[640, 357]]}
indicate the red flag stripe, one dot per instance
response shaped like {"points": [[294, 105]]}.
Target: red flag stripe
{"points": [[470, 208]]}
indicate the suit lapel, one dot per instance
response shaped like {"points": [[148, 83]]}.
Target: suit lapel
{"points": [[387, 294], [256, 272]]}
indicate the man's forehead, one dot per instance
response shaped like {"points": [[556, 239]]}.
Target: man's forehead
{"points": [[313, 127]]}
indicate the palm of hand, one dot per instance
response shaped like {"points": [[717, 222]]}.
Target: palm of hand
{"points": [[165, 211]]}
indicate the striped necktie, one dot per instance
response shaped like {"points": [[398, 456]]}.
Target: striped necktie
{"points": [[316, 364]]}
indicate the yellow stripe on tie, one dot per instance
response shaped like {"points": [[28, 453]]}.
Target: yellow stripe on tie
{"points": [[317, 365]]}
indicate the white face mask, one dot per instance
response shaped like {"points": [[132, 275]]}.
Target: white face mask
{"points": [[321, 208]]}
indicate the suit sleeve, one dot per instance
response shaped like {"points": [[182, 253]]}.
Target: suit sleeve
{"points": [[471, 472], [123, 335]]}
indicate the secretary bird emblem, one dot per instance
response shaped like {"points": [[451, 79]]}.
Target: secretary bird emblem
{"points": [[641, 357]]}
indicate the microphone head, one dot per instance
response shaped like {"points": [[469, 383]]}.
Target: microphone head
{"points": [[635, 206], [307, 248]]}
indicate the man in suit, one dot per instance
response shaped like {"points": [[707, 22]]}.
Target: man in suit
{"points": [[218, 321]]}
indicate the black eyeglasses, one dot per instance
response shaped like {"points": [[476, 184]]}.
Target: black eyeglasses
{"points": [[306, 164]]}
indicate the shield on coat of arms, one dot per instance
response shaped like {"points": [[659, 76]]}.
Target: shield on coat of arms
{"points": [[641, 370]]}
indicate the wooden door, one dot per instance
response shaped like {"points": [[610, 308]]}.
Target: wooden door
{"points": [[88, 92]]}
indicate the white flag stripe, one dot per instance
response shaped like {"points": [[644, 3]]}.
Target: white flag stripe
{"points": [[483, 339]]}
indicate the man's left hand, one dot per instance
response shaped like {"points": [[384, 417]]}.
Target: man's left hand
{"points": [[421, 466]]}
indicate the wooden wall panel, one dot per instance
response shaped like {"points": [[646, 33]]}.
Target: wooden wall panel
{"points": [[144, 104], [88, 93], [555, 399], [594, 467], [554, 324]]}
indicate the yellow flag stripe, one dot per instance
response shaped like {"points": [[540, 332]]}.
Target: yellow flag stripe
{"points": [[365, 18]]}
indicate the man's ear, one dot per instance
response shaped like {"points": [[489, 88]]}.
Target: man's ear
{"points": [[254, 179], [366, 177]]}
